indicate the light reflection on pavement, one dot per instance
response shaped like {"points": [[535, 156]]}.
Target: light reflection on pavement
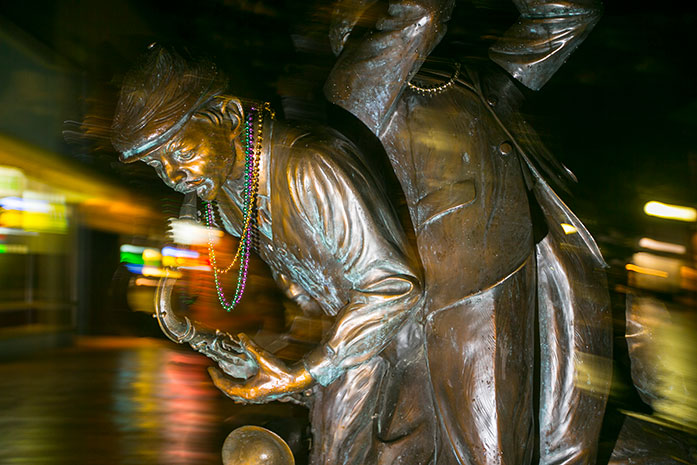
{"points": [[124, 401]]}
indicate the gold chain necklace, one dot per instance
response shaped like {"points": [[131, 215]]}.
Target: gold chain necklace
{"points": [[435, 90]]}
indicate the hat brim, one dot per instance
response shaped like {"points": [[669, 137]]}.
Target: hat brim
{"points": [[152, 145]]}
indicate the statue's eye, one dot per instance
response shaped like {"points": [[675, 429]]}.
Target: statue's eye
{"points": [[184, 155]]}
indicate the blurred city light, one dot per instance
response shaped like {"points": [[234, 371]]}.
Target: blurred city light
{"points": [[133, 258], [27, 205], [192, 233], [34, 211], [17, 232], [184, 258], [661, 346], [148, 261], [654, 272], [660, 246], [688, 278], [154, 271], [183, 253], [13, 248], [152, 258], [134, 268], [646, 271], [12, 180], [668, 211], [687, 272]]}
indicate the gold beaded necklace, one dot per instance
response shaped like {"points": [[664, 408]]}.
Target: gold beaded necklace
{"points": [[439, 89], [253, 148]]}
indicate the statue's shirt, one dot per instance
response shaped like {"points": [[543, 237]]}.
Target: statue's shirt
{"points": [[335, 235]]}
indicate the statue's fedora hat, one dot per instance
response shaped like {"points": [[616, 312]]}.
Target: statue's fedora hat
{"points": [[158, 97]]}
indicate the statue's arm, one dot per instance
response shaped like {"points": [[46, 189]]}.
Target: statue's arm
{"points": [[365, 326], [358, 240], [371, 72], [348, 237], [546, 33]]}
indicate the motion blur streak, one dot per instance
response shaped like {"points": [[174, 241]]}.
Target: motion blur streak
{"points": [[660, 338], [660, 246], [647, 271], [672, 212]]}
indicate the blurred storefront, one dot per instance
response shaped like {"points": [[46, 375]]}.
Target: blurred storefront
{"points": [[60, 223], [661, 323], [59, 237]]}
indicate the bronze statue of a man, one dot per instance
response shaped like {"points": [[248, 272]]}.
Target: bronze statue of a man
{"points": [[475, 175], [325, 227]]}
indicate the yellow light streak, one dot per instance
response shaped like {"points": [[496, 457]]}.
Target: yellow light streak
{"points": [[646, 271], [568, 228], [159, 272], [146, 282], [668, 211]]}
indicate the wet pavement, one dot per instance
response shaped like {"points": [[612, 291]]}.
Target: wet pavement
{"points": [[141, 401], [113, 401]]}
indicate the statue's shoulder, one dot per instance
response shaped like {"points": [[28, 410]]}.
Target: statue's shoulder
{"points": [[299, 134], [310, 142], [308, 156]]}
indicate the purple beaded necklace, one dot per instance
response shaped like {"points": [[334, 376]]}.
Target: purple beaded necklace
{"points": [[253, 146]]}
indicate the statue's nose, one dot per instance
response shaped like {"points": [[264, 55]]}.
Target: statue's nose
{"points": [[172, 171]]}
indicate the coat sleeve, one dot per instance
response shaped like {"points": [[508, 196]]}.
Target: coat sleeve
{"points": [[546, 33], [351, 240], [371, 73]]}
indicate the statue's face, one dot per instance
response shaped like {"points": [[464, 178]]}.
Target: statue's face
{"points": [[199, 158]]}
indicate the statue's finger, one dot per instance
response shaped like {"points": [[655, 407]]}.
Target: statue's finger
{"points": [[225, 384], [250, 346], [266, 362], [243, 339]]}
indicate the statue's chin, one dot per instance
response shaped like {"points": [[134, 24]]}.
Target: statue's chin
{"points": [[208, 196], [207, 192]]}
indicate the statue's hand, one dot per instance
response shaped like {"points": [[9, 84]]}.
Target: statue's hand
{"points": [[345, 15], [272, 381]]}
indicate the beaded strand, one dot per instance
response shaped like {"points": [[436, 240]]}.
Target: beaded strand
{"points": [[253, 146], [438, 89]]}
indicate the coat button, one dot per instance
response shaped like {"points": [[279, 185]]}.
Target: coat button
{"points": [[505, 148]]}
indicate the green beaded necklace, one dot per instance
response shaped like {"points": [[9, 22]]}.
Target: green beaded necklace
{"points": [[253, 147]]}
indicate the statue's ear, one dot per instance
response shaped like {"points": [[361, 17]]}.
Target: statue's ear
{"points": [[226, 112], [232, 111]]}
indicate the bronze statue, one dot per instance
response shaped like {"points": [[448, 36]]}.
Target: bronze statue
{"points": [[468, 165], [416, 369], [322, 224]]}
